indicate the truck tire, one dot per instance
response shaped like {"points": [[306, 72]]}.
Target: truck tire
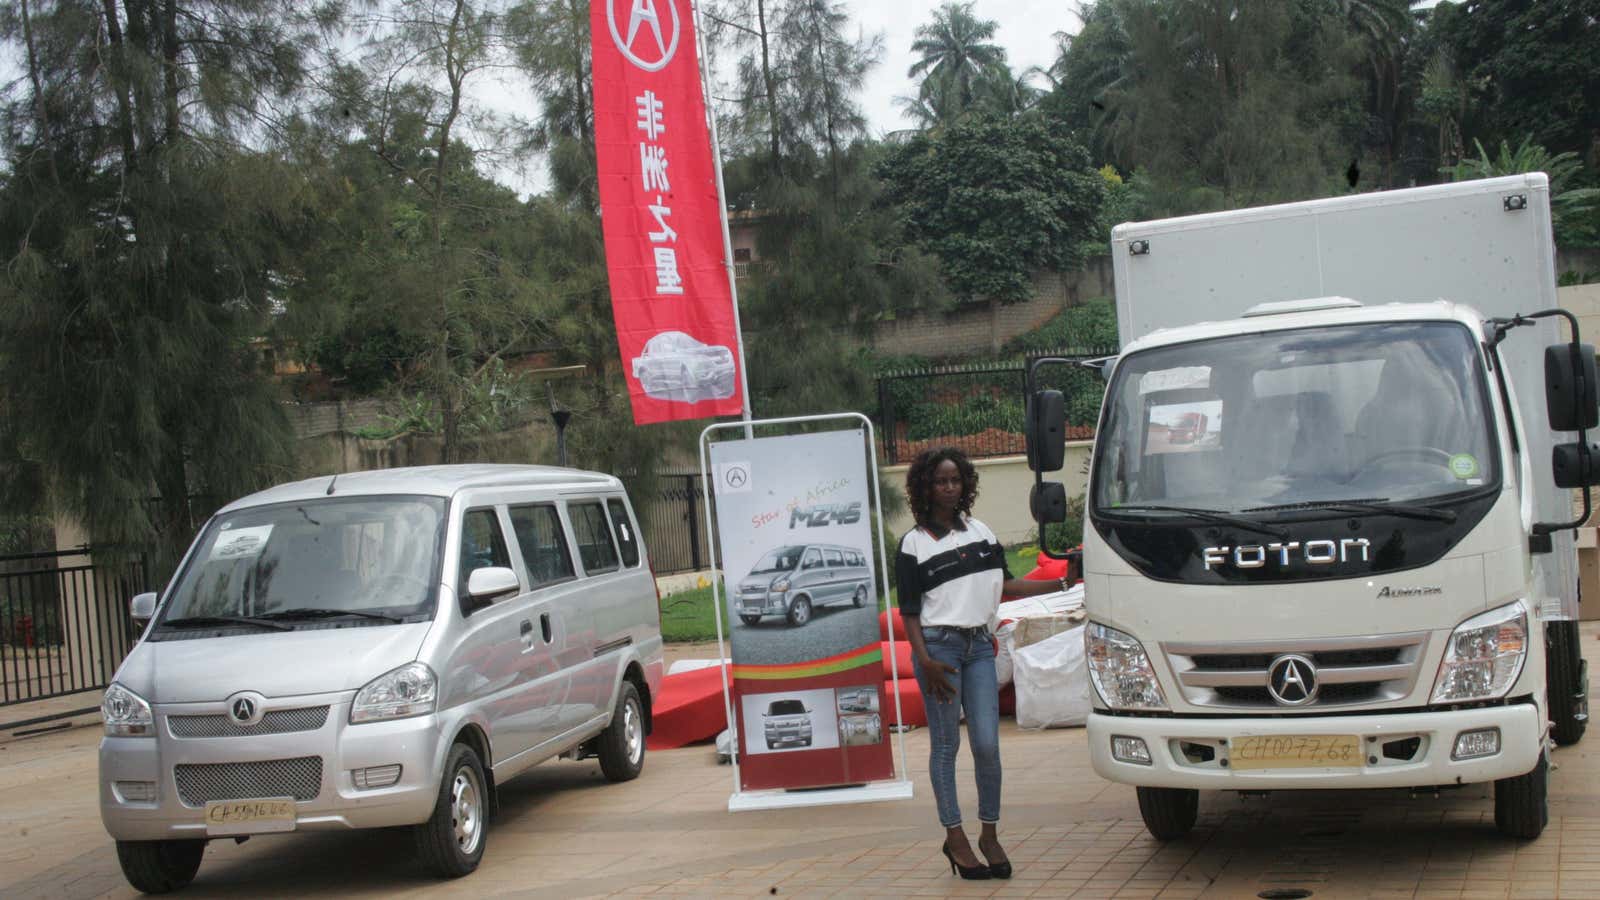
{"points": [[1169, 813], [800, 610], [451, 842], [622, 743], [749, 619], [1565, 677], [159, 867], [1521, 805]]}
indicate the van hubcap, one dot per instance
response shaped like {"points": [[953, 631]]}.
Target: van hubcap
{"points": [[802, 612], [466, 810], [633, 731]]}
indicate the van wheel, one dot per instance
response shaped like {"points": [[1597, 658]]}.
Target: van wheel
{"points": [[1521, 804], [1169, 813], [159, 867], [749, 619], [800, 611], [860, 596], [622, 743], [1565, 677], [451, 842]]}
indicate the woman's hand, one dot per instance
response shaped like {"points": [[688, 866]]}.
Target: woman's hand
{"points": [[944, 690]]}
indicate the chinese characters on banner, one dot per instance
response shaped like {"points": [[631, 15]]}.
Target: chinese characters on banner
{"points": [[660, 214]]}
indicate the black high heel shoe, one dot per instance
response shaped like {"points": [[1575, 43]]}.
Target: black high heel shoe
{"points": [[979, 872], [999, 869]]}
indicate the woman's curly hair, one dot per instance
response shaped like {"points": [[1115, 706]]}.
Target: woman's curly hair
{"points": [[919, 482]]}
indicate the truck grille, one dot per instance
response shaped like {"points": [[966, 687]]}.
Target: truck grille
{"points": [[278, 721], [1350, 671], [199, 784]]}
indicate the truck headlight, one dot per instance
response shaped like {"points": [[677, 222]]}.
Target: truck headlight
{"points": [[126, 714], [1483, 656], [410, 690], [1120, 669]]}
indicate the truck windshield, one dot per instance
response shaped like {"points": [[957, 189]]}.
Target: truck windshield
{"points": [[1377, 413], [316, 560]]}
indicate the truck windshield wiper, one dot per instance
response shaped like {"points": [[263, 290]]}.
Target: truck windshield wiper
{"points": [[316, 612], [1210, 515], [208, 621], [1404, 510]]}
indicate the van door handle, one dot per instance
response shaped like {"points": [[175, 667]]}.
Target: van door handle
{"points": [[527, 628], [544, 623]]}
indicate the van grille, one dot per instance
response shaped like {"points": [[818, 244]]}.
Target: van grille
{"points": [[199, 784], [1351, 671], [277, 721]]}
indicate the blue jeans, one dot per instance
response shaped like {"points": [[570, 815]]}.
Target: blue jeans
{"points": [[972, 655]]}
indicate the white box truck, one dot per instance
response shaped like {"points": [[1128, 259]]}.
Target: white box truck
{"points": [[1328, 534]]}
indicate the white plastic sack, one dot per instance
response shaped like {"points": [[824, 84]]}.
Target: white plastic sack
{"points": [[1013, 611], [1002, 656], [1052, 679]]}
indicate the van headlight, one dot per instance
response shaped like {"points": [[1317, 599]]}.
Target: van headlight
{"points": [[410, 690], [780, 586], [126, 714], [1483, 656], [1120, 669]]}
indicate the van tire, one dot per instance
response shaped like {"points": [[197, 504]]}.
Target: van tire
{"points": [[622, 743], [1567, 694], [160, 867], [463, 805], [1521, 804], [800, 610], [749, 619], [860, 596], [1168, 813]]}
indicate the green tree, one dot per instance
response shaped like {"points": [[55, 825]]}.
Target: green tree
{"points": [[996, 201], [960, 69], [1574, 211]]}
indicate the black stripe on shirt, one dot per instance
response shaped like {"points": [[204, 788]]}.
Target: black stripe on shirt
{"points": [[916, 577]]}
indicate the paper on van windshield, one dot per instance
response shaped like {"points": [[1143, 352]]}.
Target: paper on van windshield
{"points": [[243, 543]]}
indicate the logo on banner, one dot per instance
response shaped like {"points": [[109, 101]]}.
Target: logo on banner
{"points": [[639, 52], [733, 478]]}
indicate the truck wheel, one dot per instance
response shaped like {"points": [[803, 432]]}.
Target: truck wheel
{"points": [[451, 842], [622, 743], [1566, 675], [749, 619], [800, 611], [860, 596], [1169, 813], [1521, 807], [159, 867]]}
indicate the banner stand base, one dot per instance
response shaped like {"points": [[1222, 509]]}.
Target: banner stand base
{"points": [[792, 799]]}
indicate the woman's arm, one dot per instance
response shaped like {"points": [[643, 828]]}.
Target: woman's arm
{"points": [[1024, 587]]}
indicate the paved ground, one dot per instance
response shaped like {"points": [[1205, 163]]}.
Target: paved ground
{"points": [[564, 832]]}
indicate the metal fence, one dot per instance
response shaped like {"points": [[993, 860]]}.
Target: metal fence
{"points": [[674, 524], [978, 408], [64, 624]]}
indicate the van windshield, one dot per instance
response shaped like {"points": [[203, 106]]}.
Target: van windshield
{"points": [[782, 559], [353, 555], [786, 708]]}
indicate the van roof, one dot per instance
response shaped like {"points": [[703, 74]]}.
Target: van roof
{"points": [[439, 481]]}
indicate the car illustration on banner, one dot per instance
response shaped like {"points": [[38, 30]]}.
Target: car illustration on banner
{"points": [[675, 366], [787, 721]]}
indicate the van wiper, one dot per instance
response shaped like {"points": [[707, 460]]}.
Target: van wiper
{"points": [[209, 621], [1210, 515], [317, 612], [1404, 510]]}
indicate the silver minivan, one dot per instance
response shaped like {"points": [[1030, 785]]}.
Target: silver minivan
{"points": [[792, 580], [379, 649]]}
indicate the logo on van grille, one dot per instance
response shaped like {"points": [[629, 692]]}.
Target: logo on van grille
{"points": [[245, 708]]}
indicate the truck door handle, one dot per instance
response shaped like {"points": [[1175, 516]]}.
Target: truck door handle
{"points": [[544, 623]]}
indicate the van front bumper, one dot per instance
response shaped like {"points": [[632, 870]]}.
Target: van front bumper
{"points": [[342, 750], [1176, 749], [765, 604]]}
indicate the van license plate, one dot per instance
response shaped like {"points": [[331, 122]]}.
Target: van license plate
{"points": [[1295, 751], [250, 816]]}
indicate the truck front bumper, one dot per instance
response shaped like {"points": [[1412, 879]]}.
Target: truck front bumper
{"points": [[1397, 749]]}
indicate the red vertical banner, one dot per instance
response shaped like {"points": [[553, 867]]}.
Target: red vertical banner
{"points": [[660, 213]]}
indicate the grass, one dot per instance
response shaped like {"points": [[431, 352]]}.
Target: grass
{"points": [[688, 616]]}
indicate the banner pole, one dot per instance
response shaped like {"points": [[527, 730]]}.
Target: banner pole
{"points": [[722, 213]]}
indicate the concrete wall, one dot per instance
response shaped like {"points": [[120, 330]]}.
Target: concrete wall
{"points": [[1003, 486], [1582, 301]]}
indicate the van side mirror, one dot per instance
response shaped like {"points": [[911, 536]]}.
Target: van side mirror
{"points": [[1047, 501], [1045, 431], [1576, 465], [1571, 395], [142, 608], [491, 583]]}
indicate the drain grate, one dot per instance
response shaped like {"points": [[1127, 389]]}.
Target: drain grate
{"points": [[1284, 894]]}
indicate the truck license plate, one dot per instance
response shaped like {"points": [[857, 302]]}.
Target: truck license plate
{"points": [[1295, 751], [250, 816]]}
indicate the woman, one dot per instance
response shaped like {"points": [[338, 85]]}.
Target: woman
{"points": [[951, 572]]}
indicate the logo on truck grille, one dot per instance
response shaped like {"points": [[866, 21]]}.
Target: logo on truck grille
{"points": [[1292, 680], [1286, 554]]}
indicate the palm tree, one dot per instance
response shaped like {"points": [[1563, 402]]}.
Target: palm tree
{"points": [[959, 62]]}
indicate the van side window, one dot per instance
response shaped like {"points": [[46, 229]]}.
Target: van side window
{"points": [[854, 559], [813, 560], [589, 527], [543, 543], [482, 545], [625, 535], [835, 558]]}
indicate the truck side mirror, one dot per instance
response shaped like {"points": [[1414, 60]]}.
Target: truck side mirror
{"points": [[1576, 465], [1046, 431], [1048, 502], [142, 608], [1570, 391]]}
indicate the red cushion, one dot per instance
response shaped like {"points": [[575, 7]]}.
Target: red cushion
{"points": [[1047, 569], [911, 709], [902, 657], [1008, 699], [687, 709], [883, 624]]}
